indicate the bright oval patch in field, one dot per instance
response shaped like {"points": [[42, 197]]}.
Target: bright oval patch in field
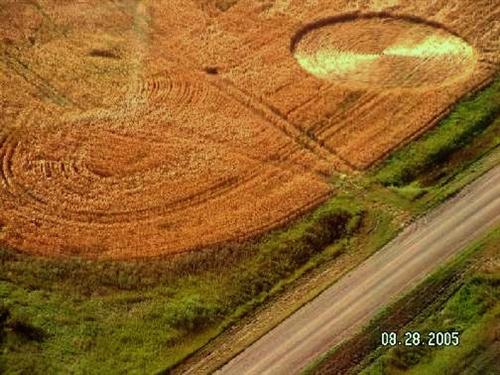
{"points": [[383, 51]]}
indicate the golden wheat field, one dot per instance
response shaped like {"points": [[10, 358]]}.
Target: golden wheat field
{"points": [[134, 128]]}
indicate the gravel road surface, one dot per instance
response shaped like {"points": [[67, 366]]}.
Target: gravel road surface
{"points": [[344, 308]]}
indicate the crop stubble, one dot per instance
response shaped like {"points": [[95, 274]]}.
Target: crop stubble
{"points": [[134, 129]]}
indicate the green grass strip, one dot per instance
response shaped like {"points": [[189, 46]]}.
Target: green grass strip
{"points": [[469, 117]]}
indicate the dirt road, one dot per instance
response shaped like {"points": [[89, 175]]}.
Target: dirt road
{"points": [[349, 304]]}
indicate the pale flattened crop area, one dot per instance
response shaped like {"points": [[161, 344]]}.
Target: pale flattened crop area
{"points": [[432, 46], [366, 50], [324, 63]]}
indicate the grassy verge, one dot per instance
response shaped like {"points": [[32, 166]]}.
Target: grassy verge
{"points": [[423, 162], [109, 317], [463, 295], [473, 310]]}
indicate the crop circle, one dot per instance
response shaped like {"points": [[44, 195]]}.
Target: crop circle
{"points": [[383, 50]]}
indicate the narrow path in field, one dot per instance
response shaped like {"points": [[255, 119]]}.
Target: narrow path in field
{"points": [[292, 132]]}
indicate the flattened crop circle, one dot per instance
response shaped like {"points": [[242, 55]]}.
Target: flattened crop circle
{"points": [[382, 50]]}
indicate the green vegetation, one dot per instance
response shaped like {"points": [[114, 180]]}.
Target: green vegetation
{"points": [[71, 315], [410, 192], [472, 310], [461, 296], [477, 354], [467, 120]]}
